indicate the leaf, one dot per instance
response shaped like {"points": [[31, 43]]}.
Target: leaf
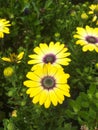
{"points": [[35, 8], [91, 91], [48, 3]]}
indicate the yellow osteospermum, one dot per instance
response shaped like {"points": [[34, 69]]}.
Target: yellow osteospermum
{"points": [[55, 53], [4, 24], [88, 38], [14, 58], [46, 86], [94, 11]]}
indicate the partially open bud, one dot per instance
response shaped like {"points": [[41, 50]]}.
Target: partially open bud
{"points": [[8, 71]]}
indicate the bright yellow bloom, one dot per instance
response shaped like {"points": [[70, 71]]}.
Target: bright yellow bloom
{"points": [[56, 54], [47, 85], [94, 11], [14, 113], [88, 38], [8, 71], [14, 58], [84, 16], [4, 27]]}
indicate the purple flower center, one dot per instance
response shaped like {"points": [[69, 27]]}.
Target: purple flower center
{"points": [[49, 58], [48, 82], [91, 39]]}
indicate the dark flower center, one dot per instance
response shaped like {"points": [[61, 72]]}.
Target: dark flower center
{"points": [[48, 82], [91, 39], [49, 58]]}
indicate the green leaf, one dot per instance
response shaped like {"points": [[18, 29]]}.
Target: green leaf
{"points": [[91, 91], [48, 3]]}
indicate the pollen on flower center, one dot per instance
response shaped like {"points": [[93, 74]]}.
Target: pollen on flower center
{"points": [[91, 39], [48, 82], [49, 58]]}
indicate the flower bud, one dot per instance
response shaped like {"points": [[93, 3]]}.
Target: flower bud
{"points": [[84, 16], [8, 71]]}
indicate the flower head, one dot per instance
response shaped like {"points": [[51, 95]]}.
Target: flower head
{"points": [[56, 54], [46, 86], [14, 58], [88, 38], [8, 71], [94, 11], [4, 27], [14, 113], [84, 16]]}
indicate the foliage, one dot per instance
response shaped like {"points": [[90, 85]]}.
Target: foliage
{"points": [[34, 22]]}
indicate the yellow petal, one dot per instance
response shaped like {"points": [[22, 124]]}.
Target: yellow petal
{"points": [[94, 18], [47, 102], [53, 97], [33, 76], [36, 91], [37, 61], [89, 47], [36, 98], [6, 59], [38, 51], [34, 56], [59, 94], [44, 47], [92, 7], [1, 35], [89, 30], [63, 54], [63, 78], [20, 56], [81, 31], [43, 96], [63, 61], [81, 42], [31, 84]]}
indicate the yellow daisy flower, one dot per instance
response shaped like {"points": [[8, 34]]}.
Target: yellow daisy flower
{"points": [[88, 38], [4, 27], [47, 85], [94, 11], [14, 58], [55, 53]]}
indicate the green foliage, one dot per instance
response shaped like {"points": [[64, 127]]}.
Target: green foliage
{"points": [[33, 22]]}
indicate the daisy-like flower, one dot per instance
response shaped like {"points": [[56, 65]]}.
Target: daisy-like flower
{"points": [[88, 38], [46, 86], [55, 53], [14, 58], [4, 24], [94, 11]]}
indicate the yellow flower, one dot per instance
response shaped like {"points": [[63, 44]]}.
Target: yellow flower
{"points": [[84, 16], [47, 85], [14, 113], [4, 27], [88, 38], [56, 54], [14, 58], [94, 11], [8, 71]]}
